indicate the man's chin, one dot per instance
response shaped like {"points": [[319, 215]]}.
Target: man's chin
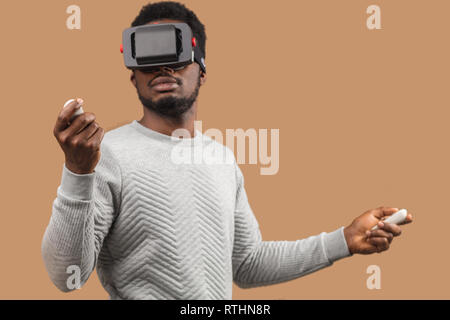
{"points": [[167, 105]]}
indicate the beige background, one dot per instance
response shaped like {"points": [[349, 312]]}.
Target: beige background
{"points": [[363, 119]]}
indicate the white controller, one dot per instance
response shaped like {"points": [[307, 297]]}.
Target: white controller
{"points": [[77, 113], [396, 218]]}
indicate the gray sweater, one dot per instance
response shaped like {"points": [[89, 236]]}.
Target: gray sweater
{"points": [[156, 227]]}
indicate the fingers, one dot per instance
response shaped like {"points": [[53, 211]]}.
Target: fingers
{"points": [[390, 227], [381, 234], [381, 244], [78, 125], [90, 137], [384, 211], [89, 131], [65, 115], [96, 139]]}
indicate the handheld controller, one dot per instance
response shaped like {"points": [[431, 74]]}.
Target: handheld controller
{"points": [[77, 113], [396, 218]]}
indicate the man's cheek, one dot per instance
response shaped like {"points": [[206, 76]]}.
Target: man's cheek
{"points": [[147, 89]]}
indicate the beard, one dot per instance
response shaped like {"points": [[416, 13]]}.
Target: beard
{"points": [[171, 106]]}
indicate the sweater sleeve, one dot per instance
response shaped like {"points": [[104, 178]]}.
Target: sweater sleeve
{"points": [[82, 213], [260, 263]]}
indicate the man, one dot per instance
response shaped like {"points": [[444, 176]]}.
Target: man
{"points": [[157, 229]]}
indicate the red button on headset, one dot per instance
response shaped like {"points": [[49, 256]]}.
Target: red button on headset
{"points": [[194, 42], [121, 48]]}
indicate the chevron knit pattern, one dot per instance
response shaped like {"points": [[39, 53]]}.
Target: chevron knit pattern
{"points": [[159, 228]]}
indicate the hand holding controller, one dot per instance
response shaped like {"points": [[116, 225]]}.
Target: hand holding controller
{"points": [[396, 218], [79, 136]]}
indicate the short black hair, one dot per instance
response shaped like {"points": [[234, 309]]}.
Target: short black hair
{"points": [[176, 11]]}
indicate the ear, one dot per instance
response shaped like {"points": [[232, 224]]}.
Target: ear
{"points": [[202, 77], [133, 79]]}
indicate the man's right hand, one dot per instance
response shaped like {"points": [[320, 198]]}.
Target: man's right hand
{"points": [[80, 139]]}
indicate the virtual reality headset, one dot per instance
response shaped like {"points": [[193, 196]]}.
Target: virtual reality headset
{"points": [[149, 47]]}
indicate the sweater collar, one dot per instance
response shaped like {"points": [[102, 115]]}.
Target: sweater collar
{"points": [[164, 137]]}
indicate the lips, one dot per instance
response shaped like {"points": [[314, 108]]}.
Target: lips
{"points": [[164, 84]]}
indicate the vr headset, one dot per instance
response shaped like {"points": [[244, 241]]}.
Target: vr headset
{"points": [[148, 47]]}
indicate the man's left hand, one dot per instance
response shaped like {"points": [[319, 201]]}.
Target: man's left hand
{"points": [[362, 240]]}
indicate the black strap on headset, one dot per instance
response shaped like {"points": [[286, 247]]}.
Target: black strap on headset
{"points": [[198, 57]]}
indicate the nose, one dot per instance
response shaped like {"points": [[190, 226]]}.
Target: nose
{"points": [[164, 68], [159, 69]]}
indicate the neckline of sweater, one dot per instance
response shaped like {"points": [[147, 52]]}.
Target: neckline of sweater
{"points": [[164, 137]]}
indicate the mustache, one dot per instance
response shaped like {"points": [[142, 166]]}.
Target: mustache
{"points": [[164, 74]]}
